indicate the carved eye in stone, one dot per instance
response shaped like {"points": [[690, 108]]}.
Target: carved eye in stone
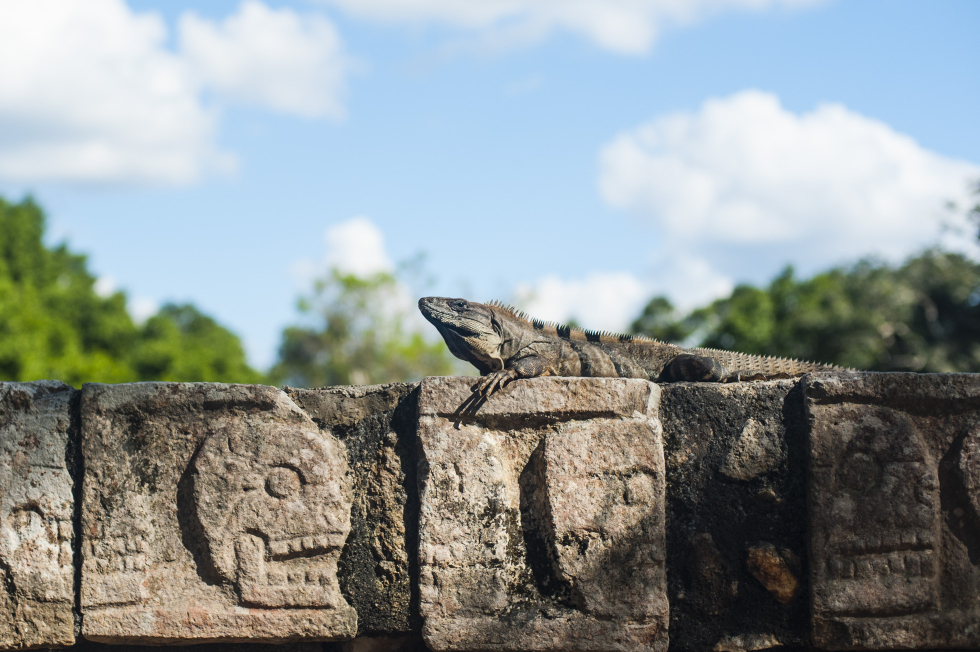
{"points": [[282, 482], [859, 472]]}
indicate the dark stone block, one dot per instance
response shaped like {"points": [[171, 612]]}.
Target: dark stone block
{"points": [[736, 500], [378, 569]]}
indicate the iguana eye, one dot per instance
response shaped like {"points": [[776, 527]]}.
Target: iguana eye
{"points": [[457, 304]]}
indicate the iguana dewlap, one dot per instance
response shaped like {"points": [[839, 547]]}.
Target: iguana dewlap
{"points": [[505, 344]]}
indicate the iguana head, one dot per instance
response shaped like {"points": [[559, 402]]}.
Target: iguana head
{"points": [[471, 330]]}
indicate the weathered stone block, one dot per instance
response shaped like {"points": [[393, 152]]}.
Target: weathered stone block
{"points": [[384, 644], [377, 425], [210, 513], [736, 515], [542, 517], [89, 646], [37, 591], [894, 525]]}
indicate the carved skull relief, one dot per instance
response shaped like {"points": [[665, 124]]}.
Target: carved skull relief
{"points": [[882, 506], [36, 534], [274, 503]]}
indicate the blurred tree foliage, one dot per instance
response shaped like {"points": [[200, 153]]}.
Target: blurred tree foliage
{"points": [[181, 343], [922, 316], [54, 325], [360, 333]]}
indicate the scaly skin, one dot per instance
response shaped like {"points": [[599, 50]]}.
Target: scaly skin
{"points": [[504, 345]]}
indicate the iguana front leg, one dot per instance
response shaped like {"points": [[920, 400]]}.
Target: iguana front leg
{"points": [[529, 366]]}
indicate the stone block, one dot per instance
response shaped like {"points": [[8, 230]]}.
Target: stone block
{"points": [[542, 516], [210, 513], [377, 425], [91, 646], [384, 644], [894, 525], [736, 506], [37, 593]]}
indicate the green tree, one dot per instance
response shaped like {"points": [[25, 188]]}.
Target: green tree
{"points": [[921, 316], [359, 333], [54, 325], [660, 320], [180, 342]]}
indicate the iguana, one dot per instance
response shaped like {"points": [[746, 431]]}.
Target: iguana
{"points": [[504, 344]]}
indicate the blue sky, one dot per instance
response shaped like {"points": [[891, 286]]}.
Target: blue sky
{"points": [[574, 157]]}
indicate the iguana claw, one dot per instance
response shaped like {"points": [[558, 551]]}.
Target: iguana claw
{"points": [[481, 390], [493, 381]]}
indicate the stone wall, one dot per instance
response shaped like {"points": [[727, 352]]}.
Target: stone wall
{"points": [[841, 511]]}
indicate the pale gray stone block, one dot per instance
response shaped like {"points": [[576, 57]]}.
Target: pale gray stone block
{"points": [[894, 525], [37, 593], [210, 513], [542, 516]]}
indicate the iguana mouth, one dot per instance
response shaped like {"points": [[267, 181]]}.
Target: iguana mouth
{"points": [[440, 316], [428, 307]]}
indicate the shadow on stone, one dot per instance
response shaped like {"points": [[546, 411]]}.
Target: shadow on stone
{"points": [[954, 499], [535, 523], [191, 530]]}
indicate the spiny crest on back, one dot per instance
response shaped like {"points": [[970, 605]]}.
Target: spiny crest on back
{"points": [[514, 312], [568, 332], [772, 359]]}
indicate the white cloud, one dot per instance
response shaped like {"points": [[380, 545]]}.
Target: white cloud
{"points": [[90, 92], [142, 308], [357, 247], [600, 301], [744, 186], [610, 301], [744, 174], [624, 26], [688, 280], [272, 58], [105, 286]]}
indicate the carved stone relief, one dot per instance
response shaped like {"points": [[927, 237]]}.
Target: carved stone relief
{"points": [[36, 508], [210, 513], [893, 492], [542, 517], [275, 509]]}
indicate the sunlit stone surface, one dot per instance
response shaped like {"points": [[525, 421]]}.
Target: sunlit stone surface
{"points": [[210, 513], [542, 517], [36, 505]]}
